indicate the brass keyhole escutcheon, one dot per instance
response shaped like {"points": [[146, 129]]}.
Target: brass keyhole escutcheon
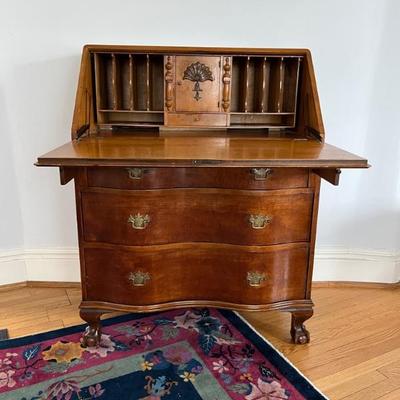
{"points": [[139, 278], [255, 278], [139, 221], [259, 221]]}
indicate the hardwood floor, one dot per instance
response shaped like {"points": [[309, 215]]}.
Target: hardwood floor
{"points": [[355, 334]]}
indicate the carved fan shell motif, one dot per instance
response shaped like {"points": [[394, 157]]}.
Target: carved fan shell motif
{"points": [[198, 72]]}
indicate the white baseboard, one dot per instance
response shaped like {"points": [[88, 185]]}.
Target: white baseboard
{"points": [[12, 267], [331, 264], [356, 265], [54, 264]]}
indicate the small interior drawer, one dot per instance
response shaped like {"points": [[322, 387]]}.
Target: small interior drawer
{"points": [[196, 119]]}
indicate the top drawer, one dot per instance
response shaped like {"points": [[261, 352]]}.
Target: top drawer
{"points": [[179, 177]]}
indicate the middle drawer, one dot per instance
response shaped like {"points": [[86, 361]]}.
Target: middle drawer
{"points": [[197, 215]]}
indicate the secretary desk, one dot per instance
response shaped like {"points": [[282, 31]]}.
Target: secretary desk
{"points": [[197, 175]]}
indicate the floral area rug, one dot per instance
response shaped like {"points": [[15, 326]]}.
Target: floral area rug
{"points": [[185, 354]]}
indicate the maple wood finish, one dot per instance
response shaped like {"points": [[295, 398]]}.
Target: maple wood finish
{"points": [[197, 175]]}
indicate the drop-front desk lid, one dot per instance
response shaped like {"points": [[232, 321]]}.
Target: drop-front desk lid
{"points": [[123, 150]]}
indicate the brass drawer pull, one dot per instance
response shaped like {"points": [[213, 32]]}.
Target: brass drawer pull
{"points": [[139, 278], [261, 174], [139, 221], [259, 221], [135, 173], [255, 278]]}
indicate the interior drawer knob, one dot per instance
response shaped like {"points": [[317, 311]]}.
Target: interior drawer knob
{"points": [[139, 221], [261, 174], [255, 278], [135, 173], [139, 278], [259, 221]]}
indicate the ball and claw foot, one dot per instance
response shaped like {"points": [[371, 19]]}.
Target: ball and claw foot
{"points": [[299, 333], [91, 337], [300, 336], [92, 334]]}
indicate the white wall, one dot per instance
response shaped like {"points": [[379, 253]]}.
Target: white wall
{"points": [[355, 50]]}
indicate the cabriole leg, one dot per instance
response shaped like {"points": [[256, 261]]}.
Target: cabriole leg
{"points": [[92, 335], [300, 334]]}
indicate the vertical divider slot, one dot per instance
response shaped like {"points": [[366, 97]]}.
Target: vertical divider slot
{"points": [[114, 83], [101, 97], [245, 81], [127, 82], [141, 82], [290, 88], [261, 85], [148, 93], [276, 84], [244, 84], [235, 82], [132, 82], [157, 82]]}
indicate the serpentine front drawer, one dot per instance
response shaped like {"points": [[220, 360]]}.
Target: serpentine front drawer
{"points": [[223, 273], [147, 217], [228, 178]]}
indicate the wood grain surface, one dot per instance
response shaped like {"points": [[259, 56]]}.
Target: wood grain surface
{"points": [[224, 178], [197, 215], [123, 150], [220, 273]]}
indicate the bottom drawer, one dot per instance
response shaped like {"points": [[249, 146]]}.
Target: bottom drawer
{"points": [[210, 272]]}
